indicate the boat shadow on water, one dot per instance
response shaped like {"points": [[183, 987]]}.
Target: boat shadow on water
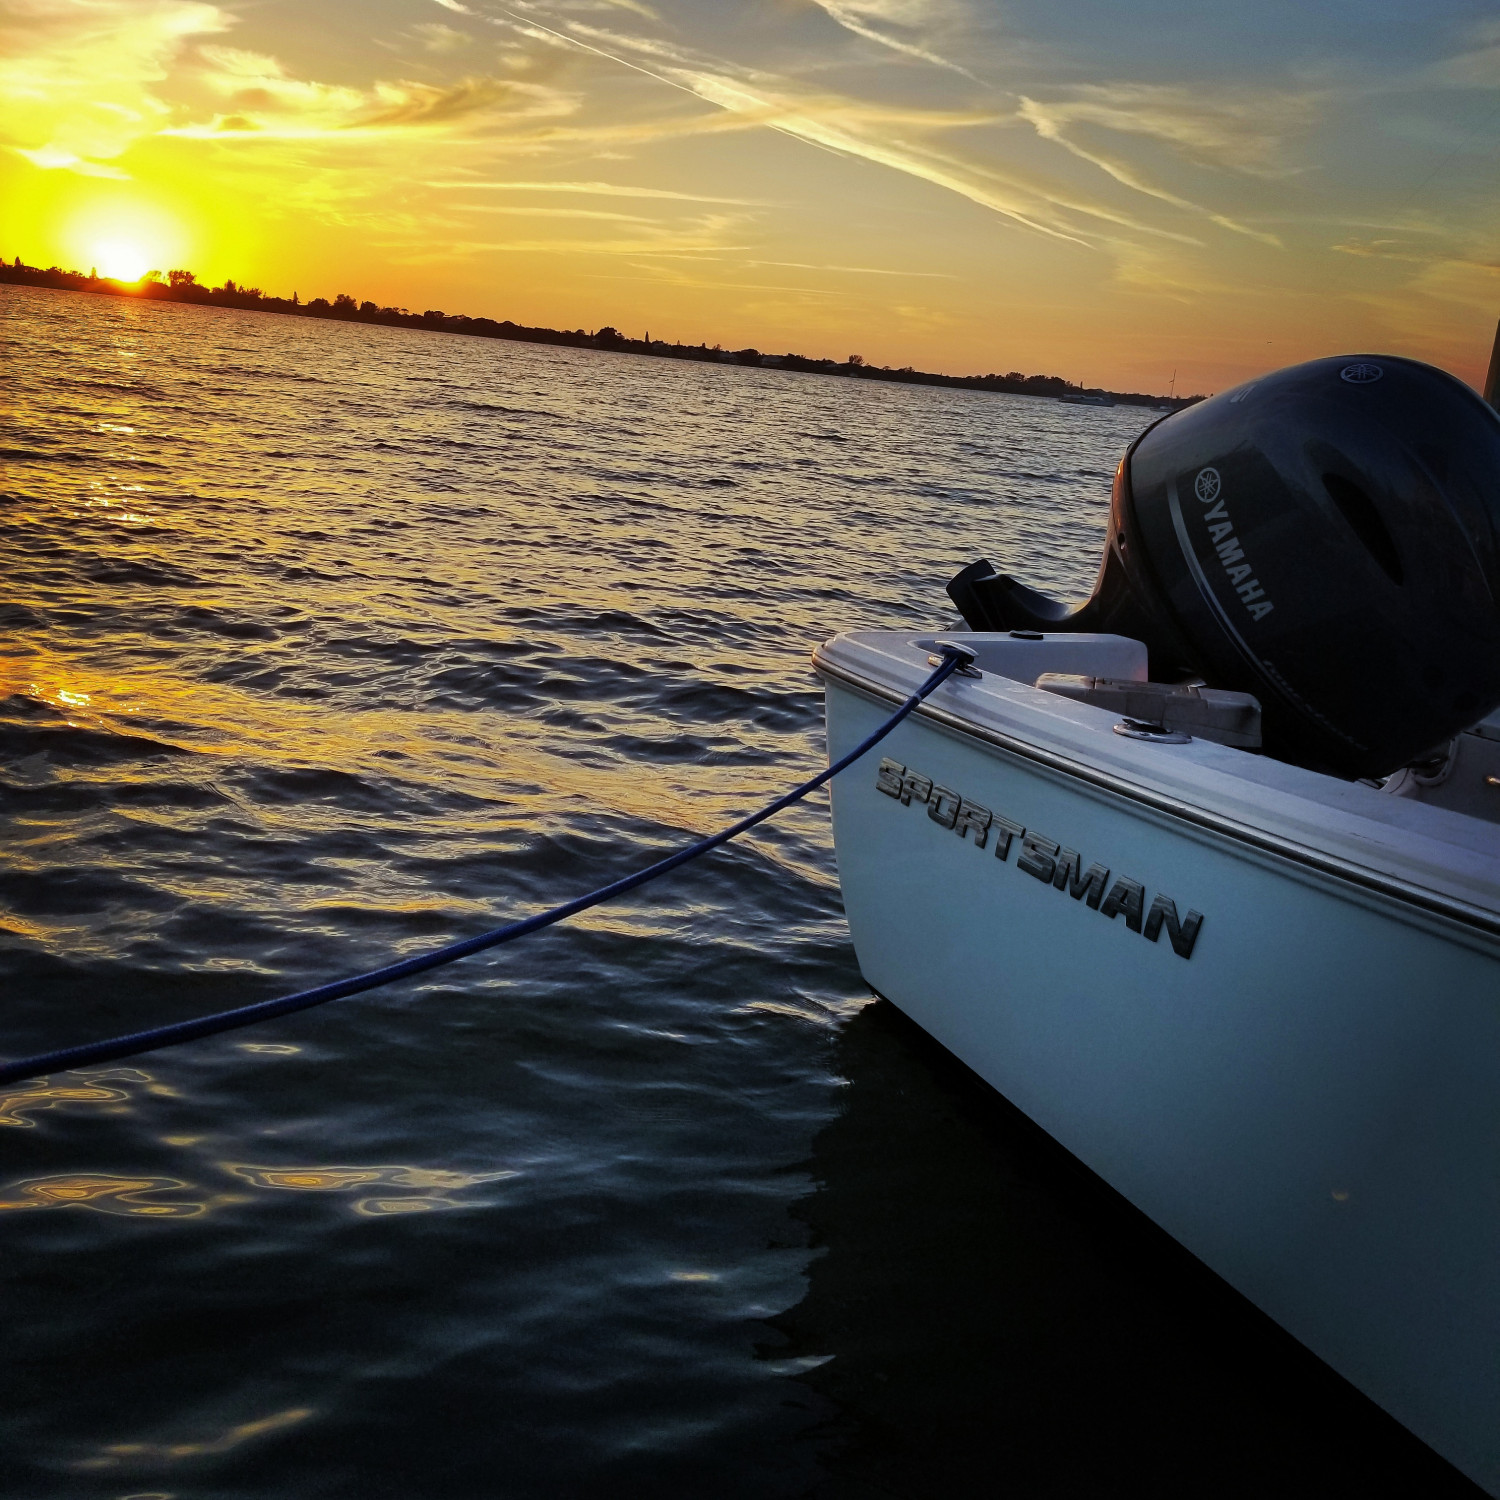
{"points": [[991, 1317]]}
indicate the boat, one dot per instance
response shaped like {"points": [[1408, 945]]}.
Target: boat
{"points": [[1082, 400], [1211, 892]]}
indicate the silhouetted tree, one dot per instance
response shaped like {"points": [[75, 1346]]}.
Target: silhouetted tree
{"points": [[182, 285]]}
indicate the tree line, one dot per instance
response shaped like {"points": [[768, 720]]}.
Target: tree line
{"points": [[184, 286]]}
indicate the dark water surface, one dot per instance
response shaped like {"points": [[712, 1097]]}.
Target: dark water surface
{"points": [[323, 644]]}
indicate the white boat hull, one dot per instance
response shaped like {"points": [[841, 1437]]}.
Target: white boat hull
{"points": [[1310, 1101]]}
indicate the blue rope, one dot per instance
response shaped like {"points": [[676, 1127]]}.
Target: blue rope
{"points": [[138, 1042]]}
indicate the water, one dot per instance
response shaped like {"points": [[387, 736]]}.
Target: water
{"points": [[324, 644]]}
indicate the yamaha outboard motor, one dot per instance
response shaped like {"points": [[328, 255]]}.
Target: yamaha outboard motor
{"points": [[1327, 538]]}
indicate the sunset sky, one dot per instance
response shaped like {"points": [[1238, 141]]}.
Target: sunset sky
{"points": [[1098, 190]]}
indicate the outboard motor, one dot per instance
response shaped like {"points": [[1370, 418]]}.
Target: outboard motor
{"points": [[1326, 538]]}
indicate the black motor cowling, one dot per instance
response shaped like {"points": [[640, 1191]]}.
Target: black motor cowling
{"points": [[1327, 538]]}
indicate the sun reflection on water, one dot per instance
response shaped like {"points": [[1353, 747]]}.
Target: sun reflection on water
{"points": [[14, 1108], [132, 1196], [243, 1432], [434, 1184], [224, 719]]}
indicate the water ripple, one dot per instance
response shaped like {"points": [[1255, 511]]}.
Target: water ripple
{"points": [[322, 644]]}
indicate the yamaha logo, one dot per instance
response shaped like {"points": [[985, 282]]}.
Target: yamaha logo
{"points": [[1209, 488], [1361, 374]]}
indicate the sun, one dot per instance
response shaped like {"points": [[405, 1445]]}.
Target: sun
{"points": [[121, 260], [124, 233]]}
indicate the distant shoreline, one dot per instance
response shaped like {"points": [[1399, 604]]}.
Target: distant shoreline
{"points": [[183, 286]]}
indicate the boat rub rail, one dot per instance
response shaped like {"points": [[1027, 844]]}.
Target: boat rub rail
{"points": [[1466, 916], [1043, 858]]}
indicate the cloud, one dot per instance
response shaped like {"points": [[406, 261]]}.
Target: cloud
{"points": [[798, 265], [1239, 130], [904, 138], [859, 17], [1385, 249], [576, 6], [1145, 139], [531, 212], [253, 83], [663, 276], [429, 104], [601, 189], [1050, 124], [54, 158], [880, 134], [435, 37], [1477, 67], [264, 101], [667, 244], [76, 76]]}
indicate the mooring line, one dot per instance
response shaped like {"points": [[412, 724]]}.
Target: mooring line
{"points": [[137, 1042]]}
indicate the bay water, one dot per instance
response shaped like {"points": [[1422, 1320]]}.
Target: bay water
{"points": [[322, 644]]}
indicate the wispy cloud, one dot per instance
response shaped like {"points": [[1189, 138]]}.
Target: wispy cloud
{"points": [[873, 20], [1051, 123], [601, 190], [799, 265], [530, 211], [55, 158], [902, 138], [435, 37], [429, 104], [263, 100], [667, 246], [1241, 130], [1386, 249], [1475, 66], [666, 275]]}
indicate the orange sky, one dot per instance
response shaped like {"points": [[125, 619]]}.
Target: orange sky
{"points": [[1103, 192]]}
